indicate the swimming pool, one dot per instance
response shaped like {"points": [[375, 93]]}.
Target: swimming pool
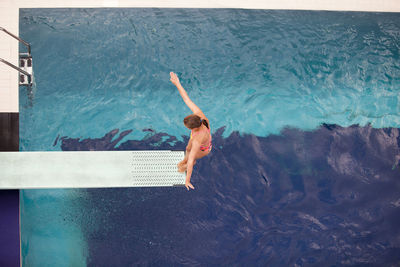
{"points": [[304, 110]]}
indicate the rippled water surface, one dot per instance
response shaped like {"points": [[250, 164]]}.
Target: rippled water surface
{"points": [[304, 108]]}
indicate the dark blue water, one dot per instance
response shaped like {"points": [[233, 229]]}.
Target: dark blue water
{"points": [[326, 197], [304, 110]]}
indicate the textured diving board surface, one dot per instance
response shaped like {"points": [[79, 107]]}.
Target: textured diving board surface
{"points": [[90, 169]]}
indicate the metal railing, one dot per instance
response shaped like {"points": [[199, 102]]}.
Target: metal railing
{"points": [[19, 39], [29, 57], [15, 67]]}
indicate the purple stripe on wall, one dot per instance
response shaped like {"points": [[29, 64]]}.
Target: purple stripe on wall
{"points": [[9, 228]]}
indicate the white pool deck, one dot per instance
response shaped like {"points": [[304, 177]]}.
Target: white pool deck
{"points": [[9, 19]]}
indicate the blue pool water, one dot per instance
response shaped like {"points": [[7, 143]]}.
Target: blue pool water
{"points": [[304, 108]]}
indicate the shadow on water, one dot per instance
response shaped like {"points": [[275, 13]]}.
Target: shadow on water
{"points": [[328, 196]]}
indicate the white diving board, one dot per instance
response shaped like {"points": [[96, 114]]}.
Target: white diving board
{"points": [[90, 169]]}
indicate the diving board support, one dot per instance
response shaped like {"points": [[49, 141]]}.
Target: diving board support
{"points": [[90, 169]]}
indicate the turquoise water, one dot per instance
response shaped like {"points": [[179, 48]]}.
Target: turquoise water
{"points": [[55, 242], [253, 72]]}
